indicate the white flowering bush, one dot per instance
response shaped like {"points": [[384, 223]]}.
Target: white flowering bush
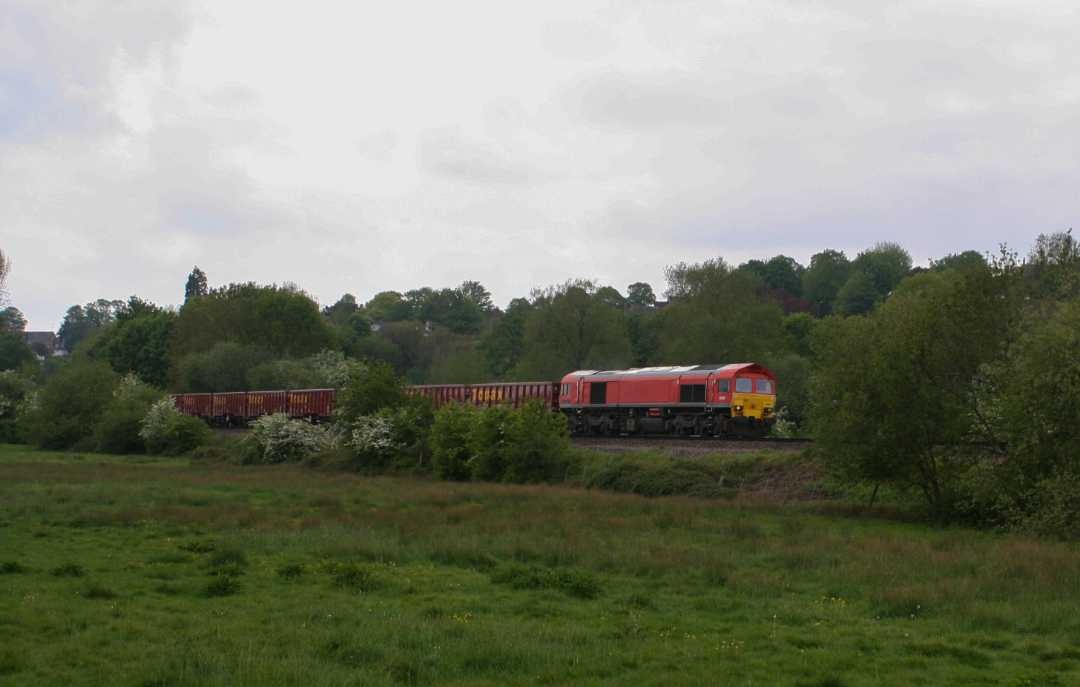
{"points": [[129, 387], [279, 439], [373, 435], [164, 429], [783, 427], [155, 424]]}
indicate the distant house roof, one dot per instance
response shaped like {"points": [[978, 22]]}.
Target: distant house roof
{"points": [[47, 340]]}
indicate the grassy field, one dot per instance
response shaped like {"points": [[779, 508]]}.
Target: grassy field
{"points": [[134, 571]]}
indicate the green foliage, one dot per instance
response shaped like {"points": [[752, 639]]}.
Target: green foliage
{"points": [[387, 306], [504, 344], [459, 361], [717, 315], [1052, 269], [12, 320], [14, 353], [164, 429], [959, 261], [823, 279], [894, 396], [81, 321], [118, 429], [137, 341], [886, 264], [641, 295], [283, 374], [376, 388], [529, 444], [858, 295], [538, 445], [451, 440], [572, 327], [793, 372], [799, 332], [1050, 507], [489, 443], [282, 321], [780, 273], [225, 367], [70, 404], [196, 284], [643, 329], [14, 389]]}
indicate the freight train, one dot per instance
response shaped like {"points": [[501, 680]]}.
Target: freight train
{"points": [[696, 400]]}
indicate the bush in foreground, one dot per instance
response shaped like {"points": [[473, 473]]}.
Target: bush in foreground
{"points": [[70, 405], [118, 429], [529, 444], [164, 429], [279, 439]]}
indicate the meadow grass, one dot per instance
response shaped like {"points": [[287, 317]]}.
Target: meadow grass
{"points": [[135, 571]]}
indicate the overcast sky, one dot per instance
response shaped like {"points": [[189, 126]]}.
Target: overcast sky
{"points": [[356, 147]]}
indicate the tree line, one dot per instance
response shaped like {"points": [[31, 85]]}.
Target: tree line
{"points": [[957, 381]]}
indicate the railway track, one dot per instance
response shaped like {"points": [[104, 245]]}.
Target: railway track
{"points": [[687, 445]]}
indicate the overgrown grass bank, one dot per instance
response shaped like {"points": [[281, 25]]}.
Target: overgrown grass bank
{"points": [[164, 572]]}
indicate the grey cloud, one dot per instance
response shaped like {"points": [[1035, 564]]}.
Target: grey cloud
{"points": [[452, 154]]}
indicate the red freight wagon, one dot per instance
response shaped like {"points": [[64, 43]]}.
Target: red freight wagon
{"points": [[266, 403], [441, 394], [513, 394], [196, 405], [312, 403], [230, 405]]}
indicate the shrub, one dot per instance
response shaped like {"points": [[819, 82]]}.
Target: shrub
{"points": [[164, 429], [70, 404], [538, 445], [451, 440], [490, 443], [14, 388], [279, 439], [371, 437], [118, 429], [376, 388], [1052, 508]]}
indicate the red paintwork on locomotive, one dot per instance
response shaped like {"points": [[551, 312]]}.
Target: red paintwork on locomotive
{"points": [[655, 386]]}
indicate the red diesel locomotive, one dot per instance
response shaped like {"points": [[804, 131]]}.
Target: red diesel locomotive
{"points": [[709, 400]]}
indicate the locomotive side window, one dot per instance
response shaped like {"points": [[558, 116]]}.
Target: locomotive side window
{"points": [[764, 386], [598, 392], [691, 393], [723, 386], [744, 385]]}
